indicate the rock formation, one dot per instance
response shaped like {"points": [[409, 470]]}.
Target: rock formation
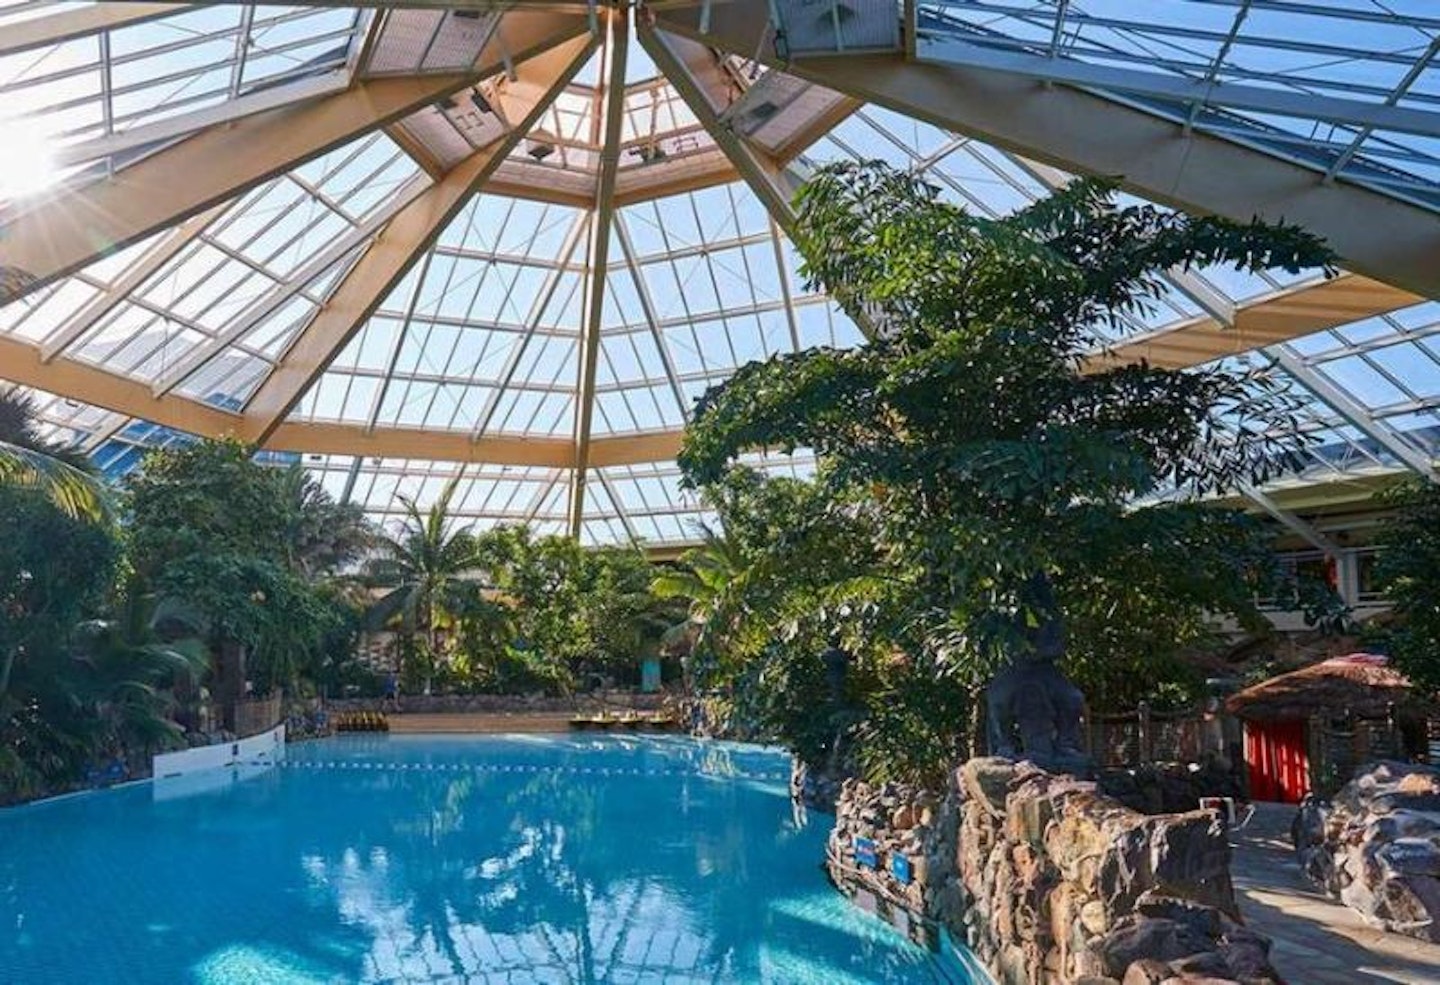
{"points": [[1046, 880], [1376, 846]]}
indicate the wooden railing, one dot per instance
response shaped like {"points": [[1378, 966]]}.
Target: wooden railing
{"points": [[1145, 736], [256, 715]]}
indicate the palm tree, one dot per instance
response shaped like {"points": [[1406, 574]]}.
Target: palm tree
{"points": [[424, 564], [109, 690], [323, 538], [713, 577], [28, 459], [123, 677]]}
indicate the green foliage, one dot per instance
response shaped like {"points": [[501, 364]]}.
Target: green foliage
{"points": [[1149, 596], [579, 615], [249, 551], [1409, 572], [54, 571], [428, 565], [73, 690], [505, 610], [973, 446], [28, 460]]}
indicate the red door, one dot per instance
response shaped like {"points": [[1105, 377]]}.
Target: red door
{"points": [[1276, 762]]}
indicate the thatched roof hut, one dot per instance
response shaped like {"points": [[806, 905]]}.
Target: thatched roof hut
{"points": [[1361, 684]]}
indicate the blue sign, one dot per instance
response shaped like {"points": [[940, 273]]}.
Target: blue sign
{"points": [[900, 868], [865, 853]]}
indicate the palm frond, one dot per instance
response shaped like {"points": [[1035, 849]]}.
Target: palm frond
{"points": [[73, 492]]}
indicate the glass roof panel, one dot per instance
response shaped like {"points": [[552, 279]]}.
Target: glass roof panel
{"points": [[483, 335], [1303, 80], [106, 84]]}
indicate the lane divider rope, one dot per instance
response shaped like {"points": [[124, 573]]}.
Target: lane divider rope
{"points": [[527, 768]]}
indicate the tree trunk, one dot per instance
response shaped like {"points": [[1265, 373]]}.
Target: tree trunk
{"points": [[229, 680], [6, 670]]}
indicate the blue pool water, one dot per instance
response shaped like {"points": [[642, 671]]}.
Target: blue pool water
{"points": [[406, 859]]}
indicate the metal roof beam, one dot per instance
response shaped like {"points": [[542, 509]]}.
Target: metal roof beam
{"points": [[74, 227], [1304, 530], [405, 239], [1288, 314], [71, 227], [39, 32], [183, 124], [419, 444], [1375, 234], [553, 279], [82, 320], [620, 511], [599, 258], [1181, 89], [22, 363], [1351, 409], [267, 304], [707, 89], [647, 308]]}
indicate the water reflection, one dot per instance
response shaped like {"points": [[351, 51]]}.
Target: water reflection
{"points": [[385, 860]]}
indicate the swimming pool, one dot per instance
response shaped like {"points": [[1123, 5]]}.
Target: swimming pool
{"points": [[408, 859]]}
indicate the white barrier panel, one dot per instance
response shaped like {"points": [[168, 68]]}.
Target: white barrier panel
{"points": [[258, 750]]}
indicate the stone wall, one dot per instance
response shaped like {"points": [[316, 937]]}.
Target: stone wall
{"points": [[1169, 788], [874, 826], [1046, 880], [1376, 846]]}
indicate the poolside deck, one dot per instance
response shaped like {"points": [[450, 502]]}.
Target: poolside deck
{"points": [[483, 723], [1316, 941]]}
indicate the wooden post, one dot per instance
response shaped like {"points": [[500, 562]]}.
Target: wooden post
{"points": [[1147, 735], [1315, 752]]}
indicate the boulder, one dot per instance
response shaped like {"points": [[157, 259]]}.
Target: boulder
{"points": [[986, 781], [1137, 938], [1376, 846]]}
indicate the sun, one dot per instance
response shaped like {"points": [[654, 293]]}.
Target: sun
{"points": [[27, 159]]}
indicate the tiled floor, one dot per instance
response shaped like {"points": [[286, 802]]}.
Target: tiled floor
{"points": [[1316, 941]]}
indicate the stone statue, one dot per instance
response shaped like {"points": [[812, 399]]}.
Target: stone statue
{"points": [[837, 668], [1033, 711]]}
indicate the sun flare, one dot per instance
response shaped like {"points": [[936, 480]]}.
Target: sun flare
{"points": [[27, 161]]}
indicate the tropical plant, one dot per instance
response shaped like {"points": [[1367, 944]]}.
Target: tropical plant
{"points": [[123, 682], [578, 613], [427, 565], [55, 571], [1408, 569], [28, 459], [711, 578], [982, 439], [249, 550], [323, 539], [74, 689]]}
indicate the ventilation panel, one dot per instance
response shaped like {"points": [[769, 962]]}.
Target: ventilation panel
{"points": [[431, 40], [830, 26]]}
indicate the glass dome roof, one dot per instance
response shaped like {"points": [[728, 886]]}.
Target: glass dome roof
{"points": [[517, 241]]}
